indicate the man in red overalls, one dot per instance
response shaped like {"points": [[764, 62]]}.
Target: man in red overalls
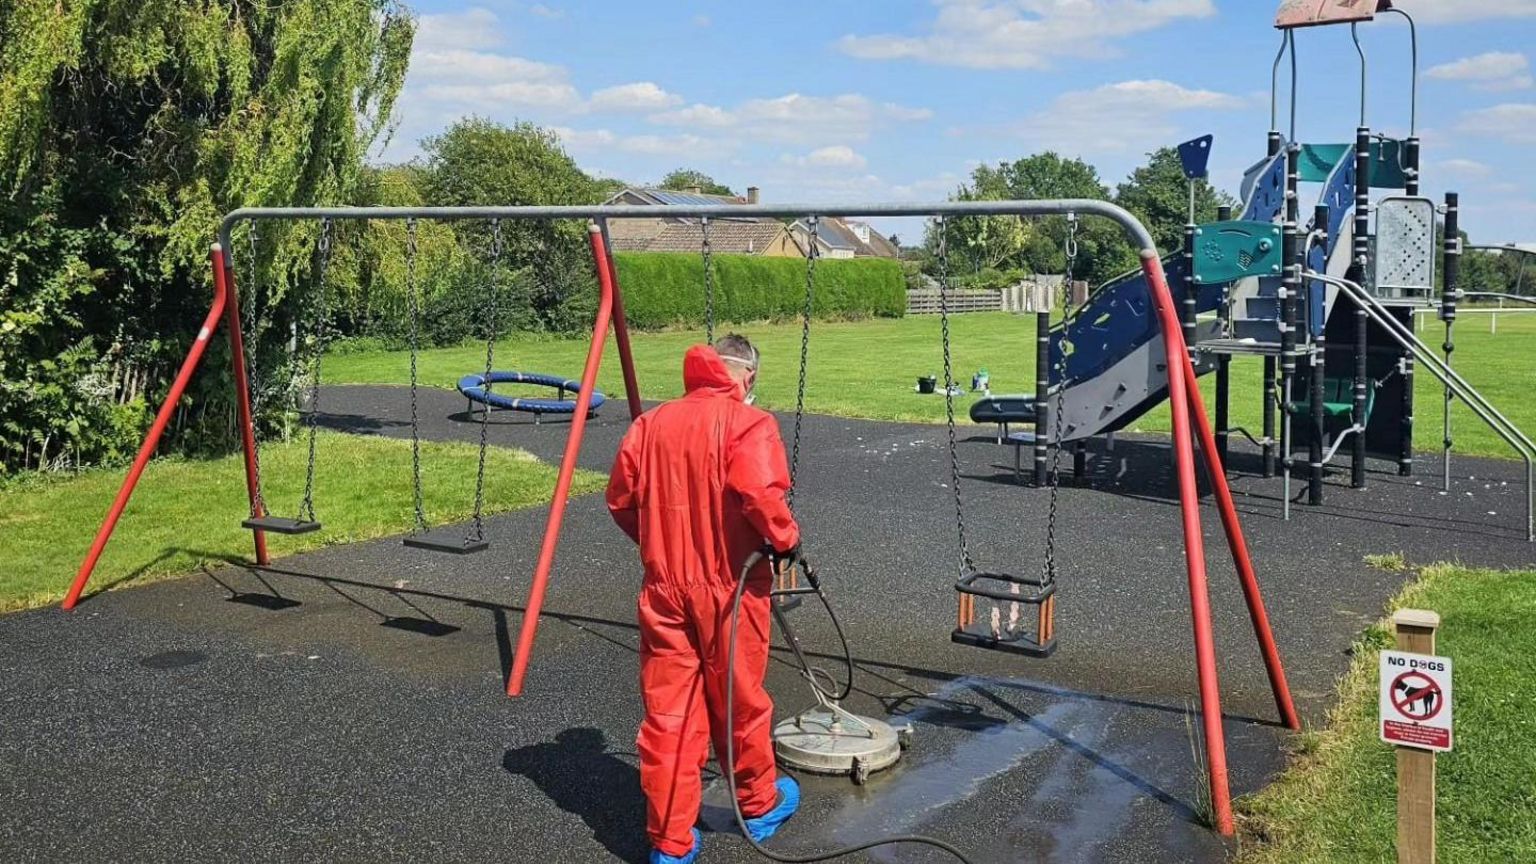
{"points": [[700, 484]]}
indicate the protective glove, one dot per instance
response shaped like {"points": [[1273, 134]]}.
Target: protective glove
{"points": [[785, 559]]}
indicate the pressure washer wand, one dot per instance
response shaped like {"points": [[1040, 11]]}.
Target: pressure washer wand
{"points": [[810, 674]]}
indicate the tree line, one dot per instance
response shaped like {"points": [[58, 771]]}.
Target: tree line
{"points": [[127, 127]]}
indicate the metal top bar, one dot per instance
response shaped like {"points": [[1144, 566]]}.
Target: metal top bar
{"points": [[1134, 231], [1354, 34], [1507, 247], [1518, 298], [1413, 42], [1274, 81]]}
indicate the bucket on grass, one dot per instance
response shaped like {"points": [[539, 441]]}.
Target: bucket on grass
{"points": [[927, 384]]}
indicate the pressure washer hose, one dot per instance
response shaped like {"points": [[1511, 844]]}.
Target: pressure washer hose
{"points": [[810, 673]]}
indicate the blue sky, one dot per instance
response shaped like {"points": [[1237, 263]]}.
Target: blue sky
{"points": [[889, 101]]}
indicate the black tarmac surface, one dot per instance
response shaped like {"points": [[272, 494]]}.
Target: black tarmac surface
{"points": [[346, 705]]}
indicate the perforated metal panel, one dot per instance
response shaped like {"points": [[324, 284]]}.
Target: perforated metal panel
{"points": [[1404, 259]]}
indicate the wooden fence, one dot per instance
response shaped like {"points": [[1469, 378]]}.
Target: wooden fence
{"points": [[925, 301], [1037, 295]]}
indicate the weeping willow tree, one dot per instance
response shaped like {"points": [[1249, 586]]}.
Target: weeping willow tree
{"points": [[127, 127]]}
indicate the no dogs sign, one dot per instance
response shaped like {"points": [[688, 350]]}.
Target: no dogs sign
{"points": [[1416, 700]]}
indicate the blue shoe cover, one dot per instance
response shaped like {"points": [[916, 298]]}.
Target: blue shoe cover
{"points": [[764, 826], [659, 857]]}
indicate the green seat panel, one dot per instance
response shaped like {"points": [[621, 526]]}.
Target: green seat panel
{"points": [[1338, 400]]}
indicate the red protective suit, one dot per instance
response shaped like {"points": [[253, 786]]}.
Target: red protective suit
{"points": [[700, 484]]}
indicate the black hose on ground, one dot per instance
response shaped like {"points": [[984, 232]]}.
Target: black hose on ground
{"points": [[729, 765]]}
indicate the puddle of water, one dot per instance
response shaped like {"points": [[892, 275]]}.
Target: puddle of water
{"points": [[1083, 793], [905, 798], [1081, 805]]}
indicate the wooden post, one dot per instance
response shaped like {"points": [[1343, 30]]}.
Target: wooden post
{"points": [[1415, 768]]}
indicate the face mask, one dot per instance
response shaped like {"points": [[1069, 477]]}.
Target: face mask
{"points": [[751, 387], [751, 390]]}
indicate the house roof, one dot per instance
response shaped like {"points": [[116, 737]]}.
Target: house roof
{"points": [[835, 234], [664, 197], [747, 238], [881, 245]]}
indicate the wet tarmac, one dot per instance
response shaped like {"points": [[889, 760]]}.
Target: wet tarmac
{"points": [[346, 704]]}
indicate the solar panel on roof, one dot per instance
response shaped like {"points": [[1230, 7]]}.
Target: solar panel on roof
{"points": [[835, 237], [667, 196]]}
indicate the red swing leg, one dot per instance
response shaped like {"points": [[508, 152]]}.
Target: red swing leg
{"points": [[157, 429], [1239, 546], [1194, 545], [546, 563]]}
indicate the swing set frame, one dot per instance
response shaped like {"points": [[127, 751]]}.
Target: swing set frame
{"points": [[1188, 410]]}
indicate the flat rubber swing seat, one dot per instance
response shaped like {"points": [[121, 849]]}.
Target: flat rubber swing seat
{"points": [[280, 525], [1031, 591], [444, 541]]}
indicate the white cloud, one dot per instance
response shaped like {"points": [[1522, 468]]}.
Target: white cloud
{"points": [[543, 11], [454, 65], [1466, 168], [1482, 67], [837, 156], [928, 189], [1461, 11], [797, 117], [698, 115], [1024, 34], [594, 140], [470, 29], [584, 139], [1131, 116], [639, 96], [1512, 122], [452, 62], [1493, 71]]}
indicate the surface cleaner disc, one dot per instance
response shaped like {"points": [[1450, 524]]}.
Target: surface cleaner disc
{"points": [[822, 742]]}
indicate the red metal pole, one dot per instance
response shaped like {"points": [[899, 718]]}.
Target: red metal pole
{"points": [[621, 331], [152, 438], [536, 591], [242, 399], [1239, 546], [1194, 547]]}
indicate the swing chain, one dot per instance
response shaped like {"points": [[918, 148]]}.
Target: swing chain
{"points": [[322, 327], [415, 313], [812, 255], [967, 565], [250, 345], [478, 531], [709, 281], [1048, 573]]}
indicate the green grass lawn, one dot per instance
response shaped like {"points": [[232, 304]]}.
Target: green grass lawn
{"points": [[1337, 801], [868, 369], [186, 512]]}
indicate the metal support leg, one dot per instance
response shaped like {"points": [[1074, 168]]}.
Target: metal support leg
{"points": [[1405, 440], [1357, 409], [1271, 400], [1043, 410], [1319, 429], [1223, 406], [1448, 297]]}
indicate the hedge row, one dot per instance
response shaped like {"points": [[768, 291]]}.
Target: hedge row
{"points": [[663, 289]]}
